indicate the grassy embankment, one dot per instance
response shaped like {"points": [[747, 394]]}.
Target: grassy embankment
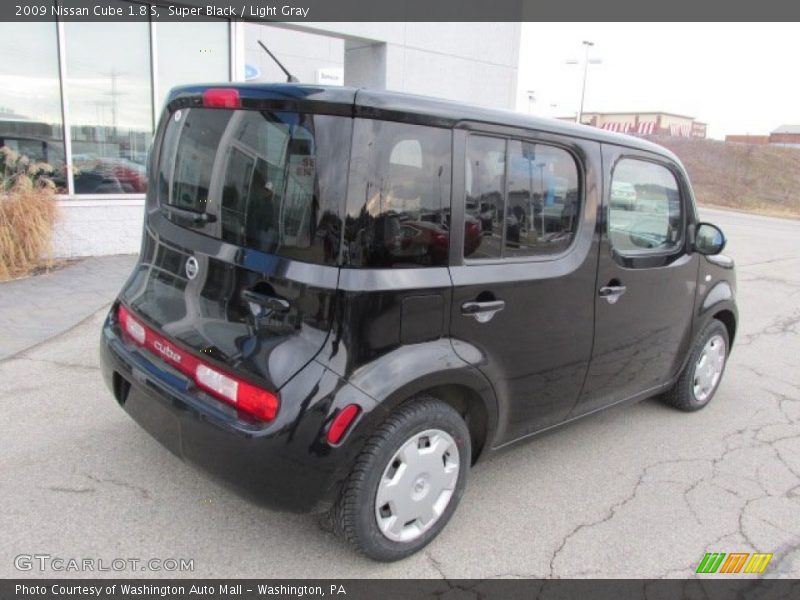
{"points": [[761, 179]]}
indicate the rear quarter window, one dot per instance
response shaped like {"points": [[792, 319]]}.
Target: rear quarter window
{"points": [[398, 209]]}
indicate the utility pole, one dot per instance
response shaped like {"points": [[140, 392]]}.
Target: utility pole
{"points": [[114, 94]]}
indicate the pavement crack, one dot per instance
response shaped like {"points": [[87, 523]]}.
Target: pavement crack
{"points": [[785, 325], [71, 490], [608, 516], [59, 363], [436, 565], [123, 484]]}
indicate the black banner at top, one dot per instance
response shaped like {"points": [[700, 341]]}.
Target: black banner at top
{"points": [[299, 11]]}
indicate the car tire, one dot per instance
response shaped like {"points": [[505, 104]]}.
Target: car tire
{"points": [[397, 470], [702, 374]]}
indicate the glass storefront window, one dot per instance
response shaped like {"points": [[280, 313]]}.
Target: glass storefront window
{"points": [[108, 93], [191, 53], [110, 105], [30, 96]]}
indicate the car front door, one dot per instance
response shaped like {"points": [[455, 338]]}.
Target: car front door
{"points": [[524, 269], [645, 283]]}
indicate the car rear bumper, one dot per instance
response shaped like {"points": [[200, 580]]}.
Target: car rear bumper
{"points": [[286, 464]]}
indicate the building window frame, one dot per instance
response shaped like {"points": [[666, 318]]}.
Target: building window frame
{"points": [[70, 198]]}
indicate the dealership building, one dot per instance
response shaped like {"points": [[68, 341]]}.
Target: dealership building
{"points": [[85, 97]]}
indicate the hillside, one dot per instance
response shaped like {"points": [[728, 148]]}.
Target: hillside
{"points": [[763, 179]]}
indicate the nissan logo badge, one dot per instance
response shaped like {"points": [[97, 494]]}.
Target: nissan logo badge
{"points": [[192, 268]]}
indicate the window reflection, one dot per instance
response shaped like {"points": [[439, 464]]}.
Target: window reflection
{"points": [[485, 167], [399, 205], [110, 105], [30, 97], [270, 180], [644, 207], [542, 199], [536, 214]]}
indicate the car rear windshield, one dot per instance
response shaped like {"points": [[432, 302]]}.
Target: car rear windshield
{"points": [[267, 180]]}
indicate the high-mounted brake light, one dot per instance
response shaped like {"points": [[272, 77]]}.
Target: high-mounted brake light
{"points": [[342, 422], [221, 98], [246, 397]]}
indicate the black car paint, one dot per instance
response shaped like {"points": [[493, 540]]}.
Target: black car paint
{"points": [[398, 332]]}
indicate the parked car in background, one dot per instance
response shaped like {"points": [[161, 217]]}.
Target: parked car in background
{"points": [[623, 195]]}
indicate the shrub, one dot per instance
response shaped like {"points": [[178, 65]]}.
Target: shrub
{"points": [[27, 214]]}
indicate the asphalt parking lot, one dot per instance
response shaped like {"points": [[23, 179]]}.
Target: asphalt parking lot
{"points": [[642, 491]]}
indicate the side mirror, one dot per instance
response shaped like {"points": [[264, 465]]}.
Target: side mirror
{"points": [[708, 239]]}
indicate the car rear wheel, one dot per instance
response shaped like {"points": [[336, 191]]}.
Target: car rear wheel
{"points": [[703, 372], [407, 481]]}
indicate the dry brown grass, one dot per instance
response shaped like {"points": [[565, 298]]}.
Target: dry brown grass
{"points": [[763, 179], [27, 214]]}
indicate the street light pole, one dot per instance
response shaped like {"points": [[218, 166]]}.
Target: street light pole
{"points": [[587, 45]]}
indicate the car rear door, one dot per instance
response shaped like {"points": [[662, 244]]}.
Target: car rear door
{"points": [[240, 249], [646, 281], [523, 295]]}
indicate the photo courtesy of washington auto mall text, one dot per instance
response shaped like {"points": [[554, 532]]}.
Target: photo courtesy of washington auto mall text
{"points": [[156, 590]]}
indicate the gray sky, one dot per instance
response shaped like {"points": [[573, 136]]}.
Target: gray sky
{"points": [[737, 77]]}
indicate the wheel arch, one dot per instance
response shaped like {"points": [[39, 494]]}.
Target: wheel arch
{"points": [[728, 319], [432, 368]]}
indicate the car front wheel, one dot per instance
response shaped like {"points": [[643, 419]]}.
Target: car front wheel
{"points": [[703, 372]]}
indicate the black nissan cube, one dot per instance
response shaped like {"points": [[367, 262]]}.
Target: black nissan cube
{"points": [[344, 298]]}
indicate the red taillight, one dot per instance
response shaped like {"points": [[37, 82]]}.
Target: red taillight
{"points": [[221, 98], [131, 326], [246, 397], [342, 422]]}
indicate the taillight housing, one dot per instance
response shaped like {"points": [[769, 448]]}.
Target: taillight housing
{"points": [[222, 98], [246, 397]]}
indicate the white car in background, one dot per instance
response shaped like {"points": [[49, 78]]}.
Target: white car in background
{"points": [[623, 195]]}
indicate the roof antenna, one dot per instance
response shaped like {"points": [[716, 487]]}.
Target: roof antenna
{"points": [[289, 77]]}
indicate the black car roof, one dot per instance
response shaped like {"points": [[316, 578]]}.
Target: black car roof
{"points": [[396, 106]]}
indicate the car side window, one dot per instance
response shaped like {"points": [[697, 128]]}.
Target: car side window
{"points": [[485, 190], [644, 208], [535, 214], [398, 209]]}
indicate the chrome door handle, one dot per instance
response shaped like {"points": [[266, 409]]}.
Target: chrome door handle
{"points": [[612, 292], [482, 311]]}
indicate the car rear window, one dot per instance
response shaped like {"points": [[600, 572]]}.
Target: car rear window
{"points": [[268, 180]]}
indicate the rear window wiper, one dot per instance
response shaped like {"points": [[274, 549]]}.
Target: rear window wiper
{"points": [[191, 215]]}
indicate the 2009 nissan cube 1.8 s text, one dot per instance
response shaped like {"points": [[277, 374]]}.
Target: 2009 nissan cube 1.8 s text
{"points": [[344, 298]]}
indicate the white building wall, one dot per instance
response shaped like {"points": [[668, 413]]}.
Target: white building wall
{"points": [[300, 52], [98, 227], [468, 62]]}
